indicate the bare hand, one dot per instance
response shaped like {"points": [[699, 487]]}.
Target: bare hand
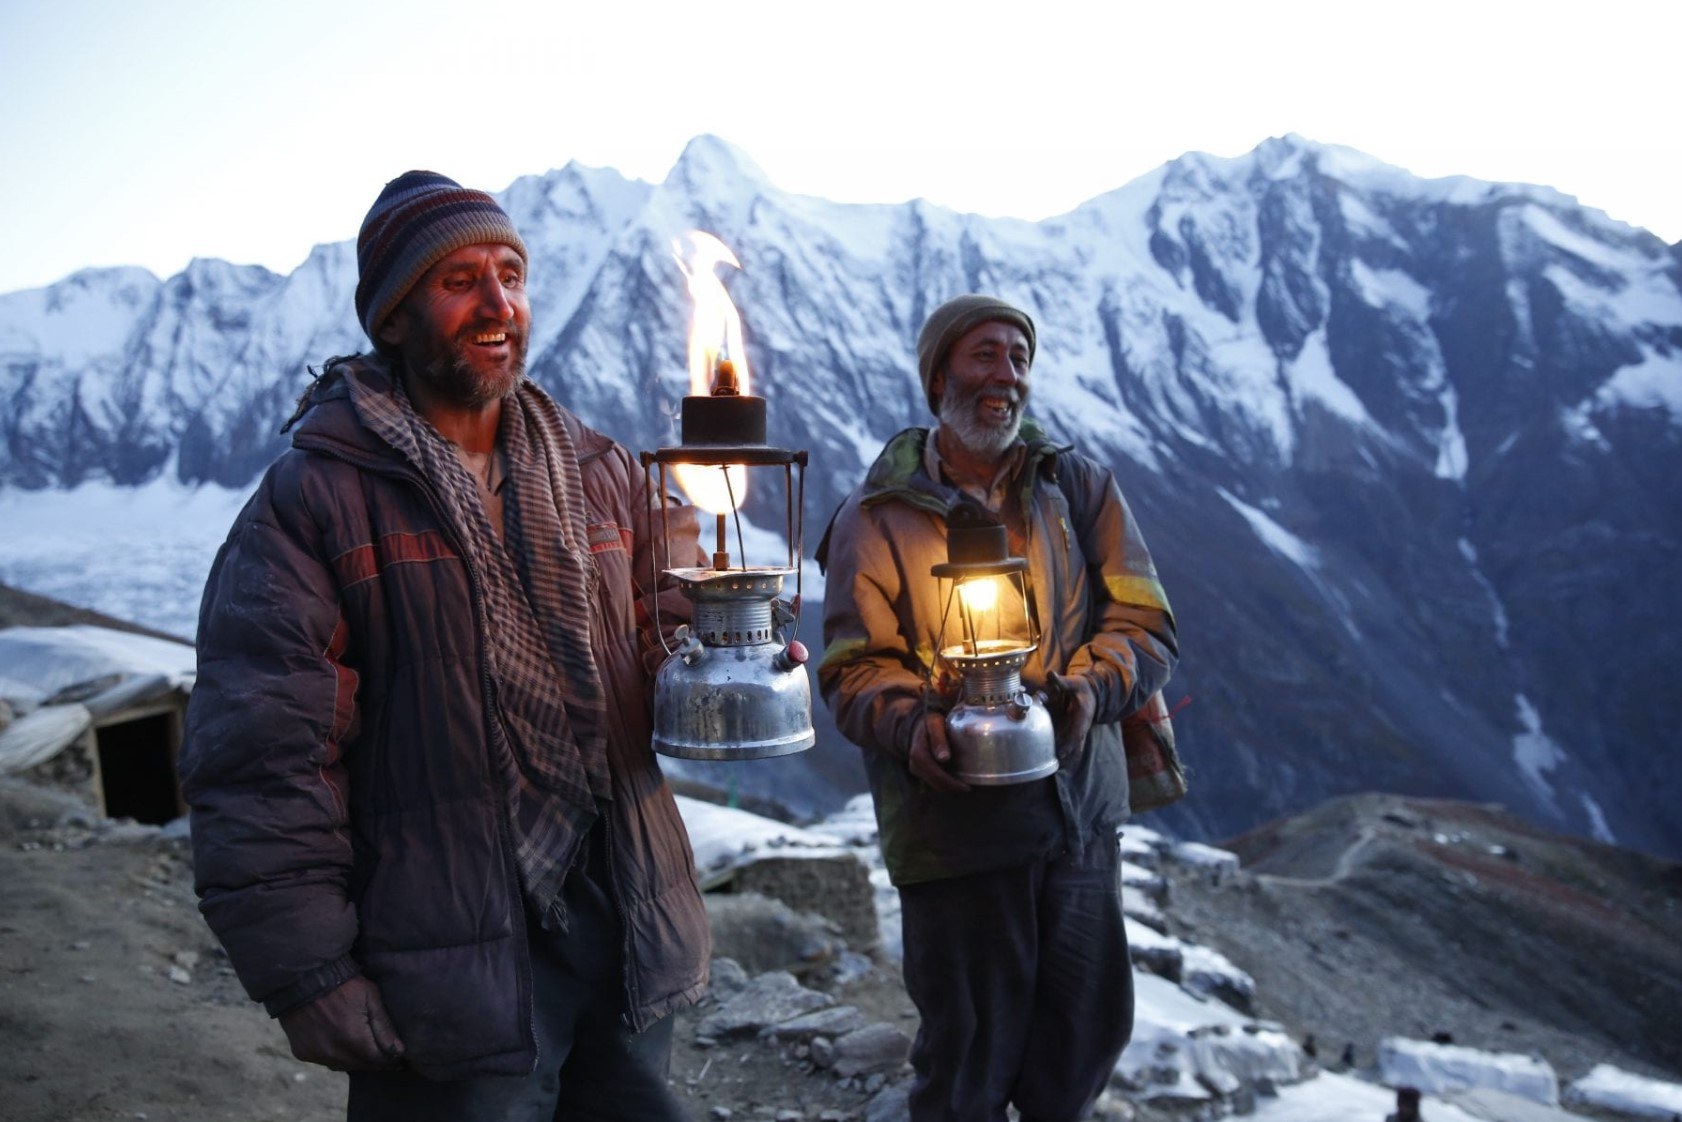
{"points": [[345, 1029], [1076, 704], [930, 754]]}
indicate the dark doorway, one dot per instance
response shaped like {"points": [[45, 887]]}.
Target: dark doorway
{"points": [[137, 770]]}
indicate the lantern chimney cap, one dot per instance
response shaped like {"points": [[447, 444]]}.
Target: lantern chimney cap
{"points": [[976, 544]]}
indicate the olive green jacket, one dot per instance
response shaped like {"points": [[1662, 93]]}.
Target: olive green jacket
{"points": [[1102, 613]]}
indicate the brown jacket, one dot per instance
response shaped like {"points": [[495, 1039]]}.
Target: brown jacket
{"points": [[346, 815]]}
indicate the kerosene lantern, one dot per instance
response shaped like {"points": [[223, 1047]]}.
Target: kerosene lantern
{"points": [[735, 686], [998, 732]]}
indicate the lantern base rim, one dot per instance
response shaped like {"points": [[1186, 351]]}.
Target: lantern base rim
{"points": [[764, 750], [1005, 779]]}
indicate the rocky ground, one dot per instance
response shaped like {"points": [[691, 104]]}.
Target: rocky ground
{"points": [[116, 1003], [1367, 918]]}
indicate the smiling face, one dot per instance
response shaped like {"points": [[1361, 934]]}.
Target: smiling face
{"points": [[983, 387], [462, 329]]}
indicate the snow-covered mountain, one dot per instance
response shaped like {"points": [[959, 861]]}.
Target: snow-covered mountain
{"points": [[1408, 452]]}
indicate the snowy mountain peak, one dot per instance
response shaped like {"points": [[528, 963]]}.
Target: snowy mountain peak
{"points": [[712, 160]]}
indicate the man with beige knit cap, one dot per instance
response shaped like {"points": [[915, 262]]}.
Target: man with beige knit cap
{"points": [[1015, 946]]}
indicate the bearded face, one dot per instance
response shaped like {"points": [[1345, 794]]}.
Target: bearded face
{"points": [[984, 388], [983, 419], [462, 330]]}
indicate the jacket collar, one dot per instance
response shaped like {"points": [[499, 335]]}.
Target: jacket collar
{"points": [[325, 413], [899, 471]]}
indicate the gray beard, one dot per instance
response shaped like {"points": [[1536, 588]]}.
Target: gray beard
{"points": [[958, 417]]}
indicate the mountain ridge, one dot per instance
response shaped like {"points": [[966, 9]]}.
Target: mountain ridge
{"points": [[1406, 450]]}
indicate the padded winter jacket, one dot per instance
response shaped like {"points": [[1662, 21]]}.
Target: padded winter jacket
{"points": [[347, 816], [1102, 615]]}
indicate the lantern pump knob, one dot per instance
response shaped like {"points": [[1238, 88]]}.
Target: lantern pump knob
{"points": [[793, 655], [689, 648]]}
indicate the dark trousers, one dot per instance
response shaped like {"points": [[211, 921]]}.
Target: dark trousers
{"points": [[590, 1066], [1024, 986]]}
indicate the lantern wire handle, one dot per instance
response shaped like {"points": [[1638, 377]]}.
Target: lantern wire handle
{"points": [[945, 614], [741, 548], [797, 558], [968, 615]]}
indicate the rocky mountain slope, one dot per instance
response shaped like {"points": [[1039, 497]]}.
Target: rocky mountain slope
{"points": [[1408, 452], [1373, 915]]}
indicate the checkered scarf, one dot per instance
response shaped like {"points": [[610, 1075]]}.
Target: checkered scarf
{"points": [[536, 587]]}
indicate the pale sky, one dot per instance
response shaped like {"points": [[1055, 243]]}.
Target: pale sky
{"points": [[148, 132]]}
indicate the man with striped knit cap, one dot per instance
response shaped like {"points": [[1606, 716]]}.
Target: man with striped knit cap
{"points": [[428, 826]]}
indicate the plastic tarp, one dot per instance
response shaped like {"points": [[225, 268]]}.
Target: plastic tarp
{"points": [[51, 660], [87, 674], [37, 737], [20, 696]]}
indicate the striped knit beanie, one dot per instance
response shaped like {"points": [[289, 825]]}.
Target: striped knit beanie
{"points": [[949, 322], [419, 219]]}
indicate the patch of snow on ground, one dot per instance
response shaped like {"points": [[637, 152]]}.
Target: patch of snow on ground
{"points": [[1436, 1068], [1611, 1088], [1184, 1044], [724, 836], [1343, 1098], [1218, 863]]}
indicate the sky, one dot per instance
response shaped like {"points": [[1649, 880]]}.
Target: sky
{"points": [[148, 132]]}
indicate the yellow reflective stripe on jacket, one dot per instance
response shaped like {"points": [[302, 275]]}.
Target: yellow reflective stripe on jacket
{"points": [[1146, 591]]}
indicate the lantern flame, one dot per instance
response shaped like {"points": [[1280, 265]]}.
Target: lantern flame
{"points": [[717, 360], [979, 595]]}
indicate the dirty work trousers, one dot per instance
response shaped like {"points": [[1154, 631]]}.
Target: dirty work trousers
{"points": [[590, 1067], [1024, 987]]}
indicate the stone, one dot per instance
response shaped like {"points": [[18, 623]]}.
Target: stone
{"points": [[727, 978], [889, 1104], [837, 887], [874, 1048], [770, 998], [832, 1022], [766, 934]]}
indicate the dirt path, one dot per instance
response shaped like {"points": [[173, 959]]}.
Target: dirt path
{"points": [[114, 1001]]}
